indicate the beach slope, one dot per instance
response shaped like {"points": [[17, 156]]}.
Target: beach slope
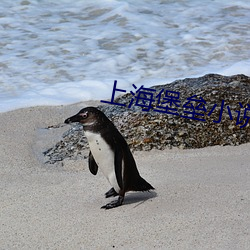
{"points": [[201, 201]]}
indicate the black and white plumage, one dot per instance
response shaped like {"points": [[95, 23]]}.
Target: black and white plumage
{"points": [[110, 152]]}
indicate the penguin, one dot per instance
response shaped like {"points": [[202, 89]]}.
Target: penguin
{"points": [[110, 152]]}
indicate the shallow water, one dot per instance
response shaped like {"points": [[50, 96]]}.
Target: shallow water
{"points": [[62, 52]]}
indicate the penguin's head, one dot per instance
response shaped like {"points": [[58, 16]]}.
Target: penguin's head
{"points": [[89, 116]]}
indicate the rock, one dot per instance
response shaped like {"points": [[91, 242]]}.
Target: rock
{"points": [[148, 130]]}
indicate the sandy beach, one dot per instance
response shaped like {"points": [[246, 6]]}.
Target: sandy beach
{"points": [[201, 198]]}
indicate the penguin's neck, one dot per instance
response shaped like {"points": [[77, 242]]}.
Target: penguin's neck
{"points": [[95, 128]]}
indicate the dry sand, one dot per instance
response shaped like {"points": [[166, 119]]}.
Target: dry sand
{"points": [[201, 201]]}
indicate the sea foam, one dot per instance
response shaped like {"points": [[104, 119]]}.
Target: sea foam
{"points": [[62, 52]]}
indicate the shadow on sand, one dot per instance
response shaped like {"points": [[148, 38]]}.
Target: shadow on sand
{"points": [[138, 198]]}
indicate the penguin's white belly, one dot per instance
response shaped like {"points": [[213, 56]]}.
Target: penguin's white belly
{"points": [[104, 157]]}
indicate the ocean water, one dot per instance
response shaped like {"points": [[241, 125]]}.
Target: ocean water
{"points": [[61, 52]]}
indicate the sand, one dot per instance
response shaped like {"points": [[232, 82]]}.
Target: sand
{"points": [[201, 200]]}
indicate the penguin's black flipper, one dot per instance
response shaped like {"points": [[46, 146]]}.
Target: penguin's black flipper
{"points": [[111, 193], [118, 166], [93, 167]]}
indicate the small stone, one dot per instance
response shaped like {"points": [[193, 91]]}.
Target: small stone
{"points": [[147, 140], [181, 133]]}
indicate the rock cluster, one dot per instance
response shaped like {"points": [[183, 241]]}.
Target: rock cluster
{"points": [[145, 130]]}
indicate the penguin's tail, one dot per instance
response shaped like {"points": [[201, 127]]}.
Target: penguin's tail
{"points": [[141, 185]]}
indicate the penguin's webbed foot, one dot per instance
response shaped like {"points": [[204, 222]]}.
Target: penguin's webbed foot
{"points": [[111, 193], [113, 204]]}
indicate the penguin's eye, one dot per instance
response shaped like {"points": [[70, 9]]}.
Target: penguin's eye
{"points": [[84, 115]]}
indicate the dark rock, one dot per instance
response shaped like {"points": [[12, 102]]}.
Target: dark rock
{"points": [[148, 130]]}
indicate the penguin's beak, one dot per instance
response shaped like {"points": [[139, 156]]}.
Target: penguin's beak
{"points": [[74, 118]]}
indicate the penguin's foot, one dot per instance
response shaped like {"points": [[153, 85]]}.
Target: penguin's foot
{"points": [[111, 193], [113, 204]]}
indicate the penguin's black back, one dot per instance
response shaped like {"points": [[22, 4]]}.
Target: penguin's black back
{"points": [[132, 181]]}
